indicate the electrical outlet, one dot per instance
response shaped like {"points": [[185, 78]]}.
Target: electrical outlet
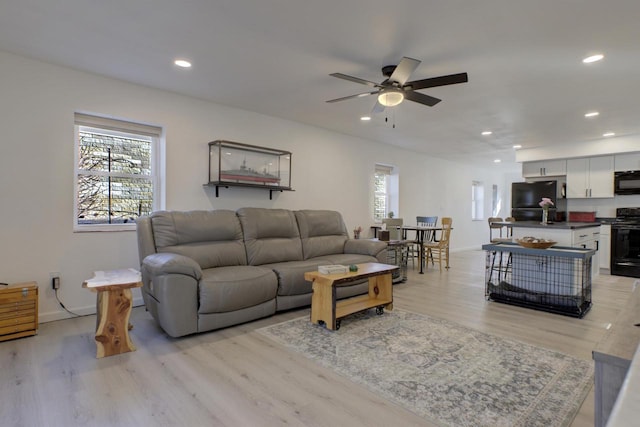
{"points": [[55, 280]]}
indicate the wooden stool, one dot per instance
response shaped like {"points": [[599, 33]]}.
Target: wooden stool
{"points": [[113, 309]]}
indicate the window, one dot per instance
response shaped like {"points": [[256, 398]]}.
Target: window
{"points": [[496, 201], [116, 172], [477, 200], [383, 184]]}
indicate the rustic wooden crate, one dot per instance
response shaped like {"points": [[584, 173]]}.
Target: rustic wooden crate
{"points": [[18, 310]]}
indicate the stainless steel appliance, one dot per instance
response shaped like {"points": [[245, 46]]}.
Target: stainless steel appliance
{"points": [[627, 182], [625, 243]]}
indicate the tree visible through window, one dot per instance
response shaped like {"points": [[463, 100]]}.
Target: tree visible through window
{"points": [[115, 173]]}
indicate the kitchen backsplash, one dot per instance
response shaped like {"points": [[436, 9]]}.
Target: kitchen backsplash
{"points": [[603, 207]]}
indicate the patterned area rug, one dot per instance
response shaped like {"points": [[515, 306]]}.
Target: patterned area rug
{"points": [[444, 372]]}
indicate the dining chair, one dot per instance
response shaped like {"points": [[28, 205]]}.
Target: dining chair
{"points": [[394, 226], [510, 229], [427, 221], [498, 228], [440, 248], [429, 236], [503, 271]]}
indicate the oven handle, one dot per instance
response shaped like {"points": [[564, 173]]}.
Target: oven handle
{"points": [[625, 227]]}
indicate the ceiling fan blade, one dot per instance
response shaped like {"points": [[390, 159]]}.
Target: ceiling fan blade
{"points": [[377, 108], [404, 69], [421, 98], [359, 95], [437, 81], [355, 79]]}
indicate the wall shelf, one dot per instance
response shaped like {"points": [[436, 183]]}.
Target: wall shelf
{"points": [[271, 188]]}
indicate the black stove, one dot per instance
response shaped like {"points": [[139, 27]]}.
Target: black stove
{"points": [[627, 216], [625, 243]]}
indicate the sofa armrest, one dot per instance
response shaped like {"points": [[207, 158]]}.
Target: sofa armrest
{"points": [[168, 263], [364, 247]]}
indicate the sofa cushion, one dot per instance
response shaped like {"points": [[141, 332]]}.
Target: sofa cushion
{"points": [[225, 289], [270, 235], [211, 238], [291, 275], [348, 259], [322, 232]]}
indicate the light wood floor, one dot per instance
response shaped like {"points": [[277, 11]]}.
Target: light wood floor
{"points": [[235, 377]]}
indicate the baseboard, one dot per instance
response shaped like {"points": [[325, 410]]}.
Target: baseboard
{"points": [[61, 314], [469, 248]]}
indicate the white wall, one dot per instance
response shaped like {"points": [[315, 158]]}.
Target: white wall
{"points": [[330, 170]]}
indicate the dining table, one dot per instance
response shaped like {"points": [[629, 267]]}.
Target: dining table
{"points": [[424, 234]]}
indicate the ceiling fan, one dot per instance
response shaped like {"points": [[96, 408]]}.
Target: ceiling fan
{"points": [[395, 88]]}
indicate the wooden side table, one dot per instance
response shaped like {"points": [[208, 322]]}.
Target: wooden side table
{"points": [[114, 304], [18, 310]]}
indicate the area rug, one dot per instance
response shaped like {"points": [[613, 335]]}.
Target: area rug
{"points": [[448, 374]]}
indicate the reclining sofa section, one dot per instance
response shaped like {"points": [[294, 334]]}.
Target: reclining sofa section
{"points": [[205, 270]]}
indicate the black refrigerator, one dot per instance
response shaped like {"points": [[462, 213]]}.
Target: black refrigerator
{"points": [[526, 197]]}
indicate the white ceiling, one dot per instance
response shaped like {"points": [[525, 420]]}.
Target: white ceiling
{"points": [[526, 80]]}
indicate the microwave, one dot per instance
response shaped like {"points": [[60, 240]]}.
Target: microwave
{"points": [[627, 182]]}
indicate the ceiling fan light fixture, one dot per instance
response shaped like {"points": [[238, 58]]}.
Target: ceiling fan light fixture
{"points": [[592, 58], [182, 63], [390, 97]]}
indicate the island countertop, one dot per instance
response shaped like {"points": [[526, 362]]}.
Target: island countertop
{"points": [[551, 226]]}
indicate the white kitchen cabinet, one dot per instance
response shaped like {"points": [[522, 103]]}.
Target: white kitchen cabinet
{"points": [[588, 238], [605, 246], [544, 168], [590, 177], [627, 162]]}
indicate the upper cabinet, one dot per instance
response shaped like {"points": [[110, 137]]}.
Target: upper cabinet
{"points": [[544, 168], [590, 177], [627, 162]]}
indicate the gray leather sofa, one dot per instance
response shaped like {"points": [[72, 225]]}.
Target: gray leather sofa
{"points": [[204, 270]]}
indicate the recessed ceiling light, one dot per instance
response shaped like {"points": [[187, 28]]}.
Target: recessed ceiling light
{"points": [[592, 114], [592, 58], [182, 63], [487, 132], [608, 134], [365, 118], [497, 161], [517, 147]]}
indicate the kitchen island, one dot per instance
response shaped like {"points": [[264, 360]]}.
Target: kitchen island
{"points": [[574, 234]]}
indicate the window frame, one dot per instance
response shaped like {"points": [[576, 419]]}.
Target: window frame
{"points": [[118, 128], [390, 194], [477, 201]]}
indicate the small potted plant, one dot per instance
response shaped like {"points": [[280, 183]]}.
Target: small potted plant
{"points": [[391, 214], [356, 232]]}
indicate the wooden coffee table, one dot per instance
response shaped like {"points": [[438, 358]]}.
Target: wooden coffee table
{"points": [[325, 310]]}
